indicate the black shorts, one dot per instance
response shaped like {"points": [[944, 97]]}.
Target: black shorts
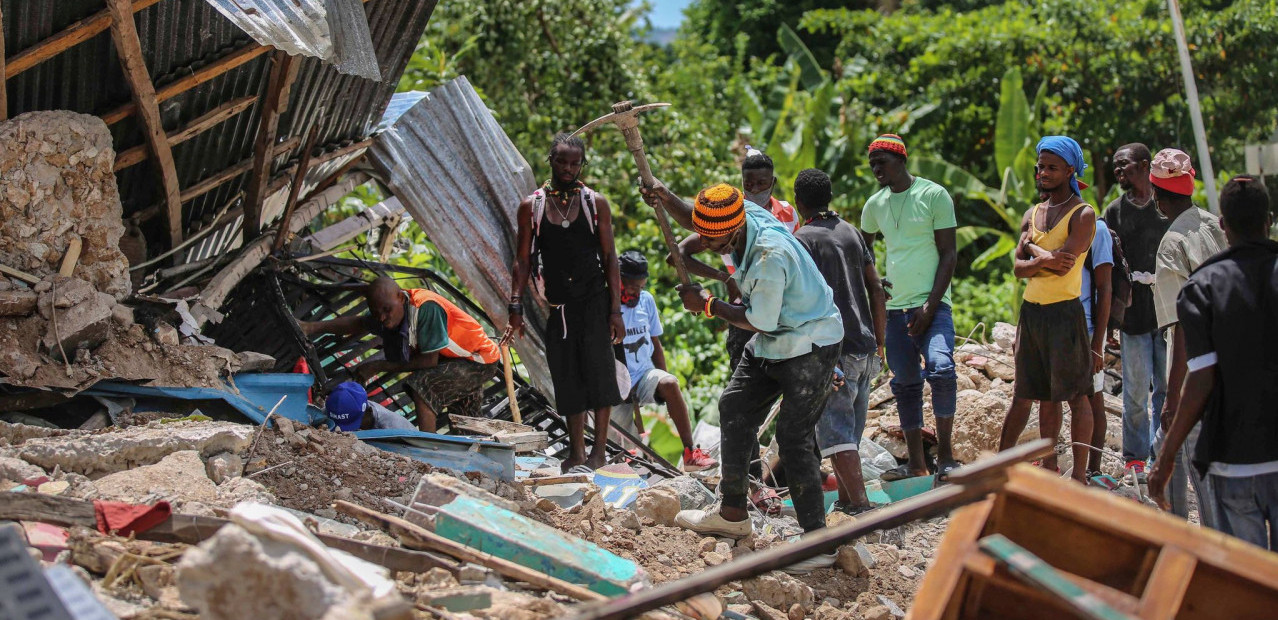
{"points": [[1053, 352], [580, 355]]}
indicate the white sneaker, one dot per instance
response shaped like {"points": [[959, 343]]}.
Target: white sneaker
{"points": [[710, 522], [803, 567]]}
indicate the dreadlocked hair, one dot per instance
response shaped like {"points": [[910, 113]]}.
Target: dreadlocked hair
{"points": [[567, 140]]}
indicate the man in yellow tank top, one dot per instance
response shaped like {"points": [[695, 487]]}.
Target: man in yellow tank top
{"points": [[1053, 352]]}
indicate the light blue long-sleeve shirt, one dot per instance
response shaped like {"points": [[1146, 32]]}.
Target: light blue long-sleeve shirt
{"points": [[786, 297]]}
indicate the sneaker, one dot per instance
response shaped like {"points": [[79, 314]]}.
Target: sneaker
{"points": [[1136, 470], [709, 522], [695, 459], [803, 567]]}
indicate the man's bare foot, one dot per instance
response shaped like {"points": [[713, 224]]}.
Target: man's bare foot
{"points": [[570, 463], [596, 461]]}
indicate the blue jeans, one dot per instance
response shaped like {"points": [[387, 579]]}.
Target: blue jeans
{"points": [[1144, 366], [913, 359], [843, 421], [1250, 507], [1185, 476]]}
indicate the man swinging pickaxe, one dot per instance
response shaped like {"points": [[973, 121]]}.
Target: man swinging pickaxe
{"points": [[626, 118]]}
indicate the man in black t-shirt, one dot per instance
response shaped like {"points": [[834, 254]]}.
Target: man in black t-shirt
{"points": [[847, 265], [1225, 315], [1140, 227]]}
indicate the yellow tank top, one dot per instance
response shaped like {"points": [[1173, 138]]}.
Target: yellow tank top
{"points": [[1048, 288]]}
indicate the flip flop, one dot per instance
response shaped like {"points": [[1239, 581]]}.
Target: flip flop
{"points": [[900, 472], [767, 501], [580, 469], [943, 474]]}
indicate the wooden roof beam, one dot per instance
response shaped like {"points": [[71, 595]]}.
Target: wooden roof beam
{"points": [[299, 175], [283, 71], [129, 48], [69, 37], [204, 74], [215, 181], [138, 154]]}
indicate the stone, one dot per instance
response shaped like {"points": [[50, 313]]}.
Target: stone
{"points": [[855, 560], [237, 575], [630, 521], [707, 545], [767, 612], [893, 609], [1004, 335], [17, 303], [978, 423], [86, 325], [241, 489], [223, 466], [60, 185], [723, 548], [826, 611], [54, 487], [796, 612], [472, 573], [165, 334], [905, 571], [778, 590], [252, 361], [896, 446], [658, 505], [714, 558], [691, 493], [18, 470], [878, 612], [100, 453], [122, 315], [436, 489], [178, 477], [565, 496]]}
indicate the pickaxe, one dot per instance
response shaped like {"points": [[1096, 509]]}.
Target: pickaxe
{"points": [[626, 118]]}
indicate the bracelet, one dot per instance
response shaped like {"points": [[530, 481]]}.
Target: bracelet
{"points": [[709, 303], [515, 308], [1098, 355]]}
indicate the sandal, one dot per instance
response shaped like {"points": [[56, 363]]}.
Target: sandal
{"points": [[943, 474], [767, 501], [900, 472]]}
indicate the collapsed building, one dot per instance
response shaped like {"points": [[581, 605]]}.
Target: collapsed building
{"points": [[164, 166]]}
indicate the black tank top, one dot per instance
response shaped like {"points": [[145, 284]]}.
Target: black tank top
{"points": [[572, 268]]}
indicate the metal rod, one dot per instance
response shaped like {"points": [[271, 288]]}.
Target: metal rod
{"points": [[1195, 111]]}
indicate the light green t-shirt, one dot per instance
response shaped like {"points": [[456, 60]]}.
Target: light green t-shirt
{"points": [[907, 221]]}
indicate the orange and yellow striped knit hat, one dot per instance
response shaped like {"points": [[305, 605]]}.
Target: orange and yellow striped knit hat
{"points": [[719, 211], [889, 142]]}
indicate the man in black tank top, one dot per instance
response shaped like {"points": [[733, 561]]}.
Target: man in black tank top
{"points": [[565, 234]]}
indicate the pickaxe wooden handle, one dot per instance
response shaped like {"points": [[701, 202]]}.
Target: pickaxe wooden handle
{"points": [[626, 118]]}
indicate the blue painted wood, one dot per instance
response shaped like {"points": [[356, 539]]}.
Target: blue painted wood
{"points": [[258, 393], [521, 540], [425, 446]]}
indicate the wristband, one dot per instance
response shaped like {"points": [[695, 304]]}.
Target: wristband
{"points": [[515, 308], [709, 303]]}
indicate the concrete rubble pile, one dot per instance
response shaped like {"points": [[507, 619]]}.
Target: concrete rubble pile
{"points": [[62, 323]]}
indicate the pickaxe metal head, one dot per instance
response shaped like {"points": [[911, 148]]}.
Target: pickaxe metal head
{"points": [[623, 115]]}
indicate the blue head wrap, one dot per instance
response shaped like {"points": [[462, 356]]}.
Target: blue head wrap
{"points": [[1069, 150]]}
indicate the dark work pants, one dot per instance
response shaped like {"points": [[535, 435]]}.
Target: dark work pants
{"points": [[804, 384]]}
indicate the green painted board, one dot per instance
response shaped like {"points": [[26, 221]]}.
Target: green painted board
{"points": [[519, 539], [897, 490], [1030, 568]]}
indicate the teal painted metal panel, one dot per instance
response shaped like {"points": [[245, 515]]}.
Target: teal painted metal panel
{"points": [[521, 540]]}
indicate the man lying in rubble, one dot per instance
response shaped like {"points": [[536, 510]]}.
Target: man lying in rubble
{"points": [[446, 350], [349, 408], [799, 333]]}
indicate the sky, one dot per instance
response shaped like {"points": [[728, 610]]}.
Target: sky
{"points": [[667, 13]]}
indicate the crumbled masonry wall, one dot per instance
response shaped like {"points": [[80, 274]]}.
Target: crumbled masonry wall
{"points": [[57, 183]]}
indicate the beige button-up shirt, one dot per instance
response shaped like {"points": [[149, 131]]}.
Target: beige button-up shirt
{"points": [[1194, 237]]}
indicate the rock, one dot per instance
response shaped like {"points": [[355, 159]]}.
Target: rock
{"points": [[766, 612], [630, 520], [856, 559], [19, 364], [878, 612], [90, 454], [706, 545], [224, 466], [778, 590], [165, 334], [18, 470], [964, 382], [723, 548], [178, 477], [565, 496], [1004, 335], [905, 571], [659, 505], [252, 361], [893, 609], [86, 325], [122, 315], [472, 573], [240, 489], [437, 489], [691, 493], [978, 423], [896, 446], [880, 395], [439, 578], [54, 487], [796, 612], [236, 575], [830, 612], [713, 558], [17, 303]]}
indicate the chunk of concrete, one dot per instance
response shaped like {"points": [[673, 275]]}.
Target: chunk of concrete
{"points": [[691, 493], [17, 302], [435, 489], [778, 590], [86, 325], [223, 466], [18, 470], [563, 495], [236, 575], [95, 454], [177, 477], [252, 361], [658, 504], [855, 560], [122, 315], [1004, 336]]}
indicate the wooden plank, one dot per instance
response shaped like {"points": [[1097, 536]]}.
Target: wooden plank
{"points": [[1039, 574], [303, 164], [19, 274], [67, 38], [137, 154], [200, 76], [414, 536], [129, 49], [192, 529], [935, 597], [334, 236], [283, 71], [1167, 584], [4, 92], [564, 479]]}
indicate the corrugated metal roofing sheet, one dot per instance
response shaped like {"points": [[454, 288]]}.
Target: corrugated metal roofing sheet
{"points": [[461, 179], [180, 37], [331, 30]]}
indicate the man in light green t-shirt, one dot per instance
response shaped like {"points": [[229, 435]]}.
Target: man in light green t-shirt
{"points": [[916, 219]]}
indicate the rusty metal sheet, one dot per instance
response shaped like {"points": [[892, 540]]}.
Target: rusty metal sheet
{"points": [[461, 179]]}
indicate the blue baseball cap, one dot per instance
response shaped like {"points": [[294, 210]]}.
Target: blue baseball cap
{"points": [[345, 405]]}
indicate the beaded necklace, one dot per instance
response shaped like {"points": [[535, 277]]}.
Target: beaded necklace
{"points": [[563, 199], [821, 216]]}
